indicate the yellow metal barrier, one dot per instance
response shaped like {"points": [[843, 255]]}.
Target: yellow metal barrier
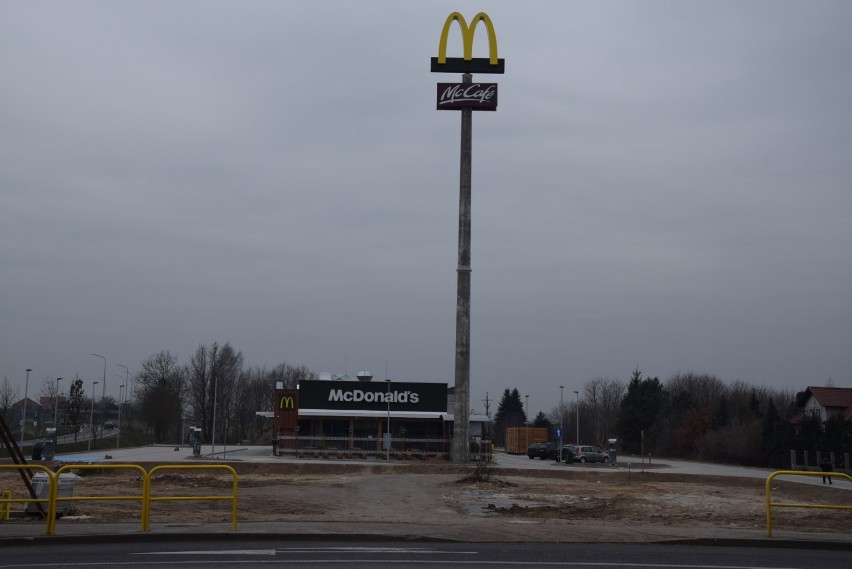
{"points": [[232, 497], [145, 498], [5, 505], [55, 489], [770, 504], [51, 505]]}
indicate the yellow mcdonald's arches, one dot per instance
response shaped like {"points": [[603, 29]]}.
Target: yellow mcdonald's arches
{"points": [[286, 403], [467, 36]]}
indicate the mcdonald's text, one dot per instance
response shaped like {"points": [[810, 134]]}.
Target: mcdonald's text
{"points": [[358, 395]]}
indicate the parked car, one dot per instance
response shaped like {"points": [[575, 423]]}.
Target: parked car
{"points": [[544, 451], [587, 453]]}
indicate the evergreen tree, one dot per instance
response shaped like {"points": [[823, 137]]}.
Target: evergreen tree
{"points": [[754, 404], [510, 413], [777, 437], [543, 422], [640, 409]]}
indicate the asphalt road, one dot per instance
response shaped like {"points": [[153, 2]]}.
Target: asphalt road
{"points": [[256, 553]]}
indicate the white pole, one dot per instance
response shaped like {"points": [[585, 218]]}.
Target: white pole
{"points": [[213, 432], [56, 403], [388, 425], [92, 416], [120, 401], [561, 422], [577, 393], [24, 416]]}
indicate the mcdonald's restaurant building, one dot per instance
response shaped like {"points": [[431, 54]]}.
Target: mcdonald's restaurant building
{"points": [[361, 419]]}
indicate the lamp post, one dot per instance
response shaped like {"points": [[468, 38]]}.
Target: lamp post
{"points": [[103, 394], [126, 384], [388, 436], [527, 430], [24, 416], [92, 417], [577, 393], [120, 401], [56, 402], [561, 422]]}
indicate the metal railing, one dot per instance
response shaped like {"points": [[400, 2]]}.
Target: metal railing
{"points": [[146, 522], [51, 505], [55, 498], [327, 446], [145, 498], [770, 504]]}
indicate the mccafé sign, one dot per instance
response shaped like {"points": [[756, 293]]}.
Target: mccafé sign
{"points": [[476, 96], [368, 396]]}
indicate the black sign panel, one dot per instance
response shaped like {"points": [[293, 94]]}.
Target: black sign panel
{"points": [[366, 396], [475, 96], [473, 65]]}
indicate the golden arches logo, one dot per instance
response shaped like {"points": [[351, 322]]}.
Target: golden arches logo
{"points": [[468, 63], [286, 403], [467, 36]]}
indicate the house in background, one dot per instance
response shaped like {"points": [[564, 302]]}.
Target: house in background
{"points": [[826, 402]]}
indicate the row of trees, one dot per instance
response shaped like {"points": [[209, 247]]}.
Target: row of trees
{"points": [[213, 391], [74, 409], [689, 416]]}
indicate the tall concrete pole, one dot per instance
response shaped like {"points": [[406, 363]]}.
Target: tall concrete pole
{"points": [[461, 411]]}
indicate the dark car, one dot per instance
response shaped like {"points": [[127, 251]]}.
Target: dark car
{"points": [[544, 451]]}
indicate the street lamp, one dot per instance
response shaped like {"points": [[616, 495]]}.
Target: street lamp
{"points": [[126, 379], [103, 396], [92, 416], [527, 430], [24, 417], [577, 393], [388, 437], [56, 401], [561, 424], [120, 401]]}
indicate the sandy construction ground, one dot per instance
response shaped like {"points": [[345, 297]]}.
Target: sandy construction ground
{"points": [[441, 495]]}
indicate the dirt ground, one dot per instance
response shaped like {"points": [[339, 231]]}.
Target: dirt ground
{"points": [[438, 494]]}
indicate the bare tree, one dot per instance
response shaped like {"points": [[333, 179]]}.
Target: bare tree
{"points": [[213, 374], [8, 397], [72, 408], [255, 391], [198, 380], [159, 389], [602, 396], [50, 391], [290, 375]]}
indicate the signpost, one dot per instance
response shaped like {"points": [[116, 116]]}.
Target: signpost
{"points": [[466, 97]]}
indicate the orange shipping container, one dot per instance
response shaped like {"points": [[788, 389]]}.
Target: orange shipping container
{"points": [[517, 438]]}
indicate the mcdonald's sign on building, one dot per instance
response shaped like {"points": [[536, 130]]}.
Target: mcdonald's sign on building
{"points": [[286, 409], [467, 63]]}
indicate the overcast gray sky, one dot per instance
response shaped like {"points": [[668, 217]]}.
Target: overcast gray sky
{"points": [[666, 184]]}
